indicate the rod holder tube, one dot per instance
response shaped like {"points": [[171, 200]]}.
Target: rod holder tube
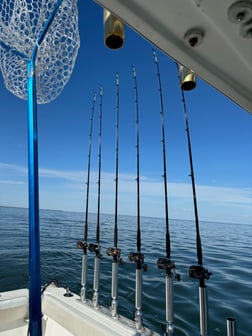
{"points": [[114, 287], [97, 261], [113, 30], [169, 305], [231, 326], [187, 78], [203, 311], [84, 278], [138, 300]]}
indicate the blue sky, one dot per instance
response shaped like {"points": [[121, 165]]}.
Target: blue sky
{"points": [[221, 137]]}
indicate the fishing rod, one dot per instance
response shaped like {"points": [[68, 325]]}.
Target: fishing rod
{"points": [[138, 257], [196, 271], [96, 247], [115, 252], [84, 245], [166, 263]]}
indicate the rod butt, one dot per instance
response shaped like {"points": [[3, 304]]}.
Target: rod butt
{"points": [[231, 326], [203, 311]]}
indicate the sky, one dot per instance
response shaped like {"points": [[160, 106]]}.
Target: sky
{"points": [[220, 130]]}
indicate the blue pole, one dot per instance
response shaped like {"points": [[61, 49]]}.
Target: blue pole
{"points": [[35, 324], [35, 314]]}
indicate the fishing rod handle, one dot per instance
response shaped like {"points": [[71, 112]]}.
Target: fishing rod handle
{"points": [[231, 326], [84, 278], [97, 261], [114, 288], [114, 285], [138, 320], [138, 295], [169, 301], [203, 311]]}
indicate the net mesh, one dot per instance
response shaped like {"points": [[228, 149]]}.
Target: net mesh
{"points": [[21, 23]]}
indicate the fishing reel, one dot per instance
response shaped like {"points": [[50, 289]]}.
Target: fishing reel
{"points": [[199, 272], [94, 248], [115, 253], [82, 245], [138, 258], [168, 265]]}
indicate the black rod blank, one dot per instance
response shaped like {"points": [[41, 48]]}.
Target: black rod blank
{"points": [[99, 170], [116, 166], [138, 257], [138, 164], [84, 245], [198, 239], [168, 244], [88, 172]]}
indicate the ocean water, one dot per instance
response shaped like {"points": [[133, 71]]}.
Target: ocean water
{"points": [[226, 251]]}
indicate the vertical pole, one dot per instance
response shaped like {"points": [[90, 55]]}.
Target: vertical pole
{"points": [[35, 323], [169, 304], [138, 257], [197, 272], [114, 287], [138, 299], [231, 326], [115, 252], [166, 263], [203, 311], [95, 247], [83, 293], [83, 245], [97, 262]]}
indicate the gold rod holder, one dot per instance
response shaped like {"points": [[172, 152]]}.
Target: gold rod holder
{"points": [[113, 30], [187, 78]]}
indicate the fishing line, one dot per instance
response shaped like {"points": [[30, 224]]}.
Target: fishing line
{"points": [[116, 151], [95, 247], [115, 252], [166, 263], [138, 163], [99, 171], [84, 245], [168, 244], [88, 173], [138, 257], [198, 239], [196, 271]]}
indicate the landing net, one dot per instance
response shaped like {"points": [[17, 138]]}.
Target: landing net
{"points": [[21, 24]]}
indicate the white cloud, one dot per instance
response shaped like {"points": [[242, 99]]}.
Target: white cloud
{"points": [[68, 183], [11, 182]]}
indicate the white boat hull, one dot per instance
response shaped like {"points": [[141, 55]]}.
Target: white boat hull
{"points": [[62, 315]]}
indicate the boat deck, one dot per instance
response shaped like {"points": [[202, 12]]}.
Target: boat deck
{"points": [[62, 315]]}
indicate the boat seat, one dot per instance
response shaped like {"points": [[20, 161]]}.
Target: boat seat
{"points": [[13, 309]]}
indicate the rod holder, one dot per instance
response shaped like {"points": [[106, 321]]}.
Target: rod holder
{"points": [[138, 300], [169, 305], [97, 261], [113, 30], [231, 326], [203, 311], [84, 278], [114, 288], [187, 78], [83, 246]]}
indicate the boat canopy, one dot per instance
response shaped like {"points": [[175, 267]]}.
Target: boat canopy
{"points": [[210, 37]]}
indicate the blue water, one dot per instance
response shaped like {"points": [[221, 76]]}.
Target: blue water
{"points": [[226, 250]]}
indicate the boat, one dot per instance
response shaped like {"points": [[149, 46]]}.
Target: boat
{"points": [[204, 42]]}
